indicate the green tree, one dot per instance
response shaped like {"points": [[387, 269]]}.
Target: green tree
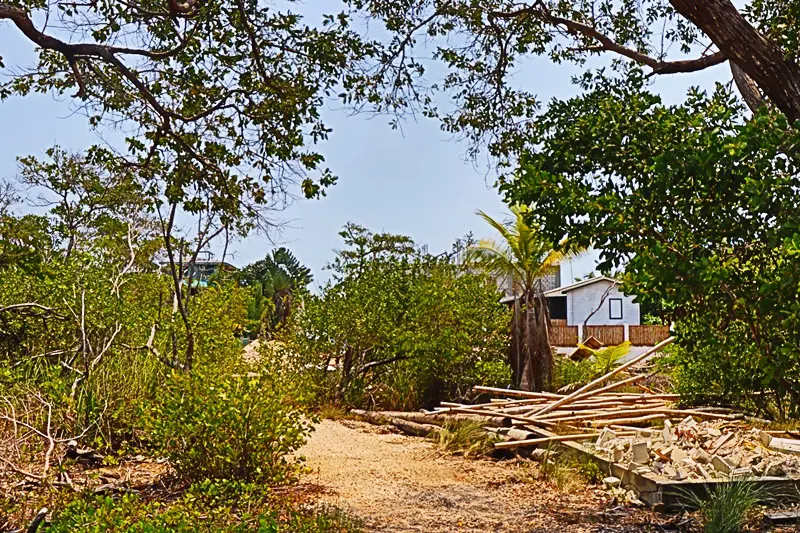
{"points": [[522, 256], [484, 45], [402, 329], [700, 206], [275, 281]]}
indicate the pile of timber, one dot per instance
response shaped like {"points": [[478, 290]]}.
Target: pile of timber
{"points": [[596, 405]]}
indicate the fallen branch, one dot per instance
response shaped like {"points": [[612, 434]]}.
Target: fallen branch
{"points": [[411, 428]]}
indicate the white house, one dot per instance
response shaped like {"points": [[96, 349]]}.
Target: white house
{"points": [[597, 298]]}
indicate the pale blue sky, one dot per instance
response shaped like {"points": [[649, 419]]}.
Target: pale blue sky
{"points": [[415, 182]]}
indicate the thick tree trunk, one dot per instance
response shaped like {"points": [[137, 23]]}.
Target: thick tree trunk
{"points": [[537, 363], [516, 346], [760, 59]]}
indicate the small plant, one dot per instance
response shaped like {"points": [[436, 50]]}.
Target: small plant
{"points": [[331, 411], [725, 507], [465, 437]]}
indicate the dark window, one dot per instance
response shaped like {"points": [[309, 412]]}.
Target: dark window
{"points": [[615, 308], [558, 307]]}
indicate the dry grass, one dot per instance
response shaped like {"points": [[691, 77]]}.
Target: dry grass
{"points": [[465, 437]]}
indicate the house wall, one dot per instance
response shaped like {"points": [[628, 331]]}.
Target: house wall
{"points": [[583, 300]]}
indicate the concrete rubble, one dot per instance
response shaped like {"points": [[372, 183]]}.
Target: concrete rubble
{"points": [[707, 450]]}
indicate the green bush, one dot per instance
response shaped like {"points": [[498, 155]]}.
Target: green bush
{"points": [[229, 507], [216, 424], [404, 329]]}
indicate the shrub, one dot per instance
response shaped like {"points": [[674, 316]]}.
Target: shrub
{"points": [[229, 507], [221, 425]]}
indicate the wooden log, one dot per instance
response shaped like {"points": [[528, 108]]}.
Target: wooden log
{"points": [[406, 426], [590, 386], [625, 421], [441, 418], [619, 413], [544, 440], [513, 433], [514, 393]]}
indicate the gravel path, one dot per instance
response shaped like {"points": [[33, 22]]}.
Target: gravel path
{"points": [[403, 484]]}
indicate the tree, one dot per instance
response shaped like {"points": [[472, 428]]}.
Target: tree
{"points": [[218, 103], [275, 281], [403, 329], [523, 256], [87, 201], [484, 44], [701, 206]]}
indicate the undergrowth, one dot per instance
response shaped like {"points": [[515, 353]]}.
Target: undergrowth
{"points": [[228, 507]]}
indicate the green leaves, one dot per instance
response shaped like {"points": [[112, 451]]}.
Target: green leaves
{"points": [[404, 329], [698, 205]]}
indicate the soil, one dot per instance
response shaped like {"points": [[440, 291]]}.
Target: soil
{"points": [[405, 484]]}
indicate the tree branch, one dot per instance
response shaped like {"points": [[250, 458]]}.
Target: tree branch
{"points": [[539, 11]]}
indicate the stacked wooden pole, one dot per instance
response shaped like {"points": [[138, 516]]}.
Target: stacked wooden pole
{"points": [[595, 405]]}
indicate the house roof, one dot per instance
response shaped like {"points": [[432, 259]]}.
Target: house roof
{"points": [[561, 291]]}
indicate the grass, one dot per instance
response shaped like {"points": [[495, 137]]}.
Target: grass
{"points": [[330, 411], [565, 472], [465, 437], [725, 507]]}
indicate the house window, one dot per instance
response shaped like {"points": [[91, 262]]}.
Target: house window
{"points": [[615, 308]]}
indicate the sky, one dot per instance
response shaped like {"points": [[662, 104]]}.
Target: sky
{"points": [[414, 181]]}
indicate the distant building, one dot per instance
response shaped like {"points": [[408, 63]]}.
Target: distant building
{"points": [[202, 271], [599, 299], [550, 281]]}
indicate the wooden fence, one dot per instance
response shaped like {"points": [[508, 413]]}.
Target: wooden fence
{"points": [[608, 335], [647, 335], [564, 335]]}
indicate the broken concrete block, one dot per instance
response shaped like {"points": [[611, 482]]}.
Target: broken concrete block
{"points": [[641, 454], [612, 481], [721, 441], [688, 422], [713, 432], [681, 474], [740, 473], [619, 453], [667, 433], [785, 445], [699, 455], [721, 465], [775, 469], [605, 436], [678, 455], [703, 472], [764, 437]]}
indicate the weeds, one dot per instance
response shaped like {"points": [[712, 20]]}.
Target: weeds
{"points": [[569, 472], [331, 411], [465, 437], [725, 507]]}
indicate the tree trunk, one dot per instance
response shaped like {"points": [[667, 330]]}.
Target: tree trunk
{"points": [[515, 349], [537, 363], [759, 58]]}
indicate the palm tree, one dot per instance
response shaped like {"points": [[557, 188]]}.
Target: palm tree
{"points": [[274, 280], [523, 256]]}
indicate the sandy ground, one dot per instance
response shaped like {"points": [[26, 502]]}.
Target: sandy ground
{"points": [[403, 484]]}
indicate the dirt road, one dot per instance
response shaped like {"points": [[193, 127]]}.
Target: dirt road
{"points": [[403, 484]]}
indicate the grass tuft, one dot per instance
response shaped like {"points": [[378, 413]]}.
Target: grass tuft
{"points": [[465, 437], [725, 507]]}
